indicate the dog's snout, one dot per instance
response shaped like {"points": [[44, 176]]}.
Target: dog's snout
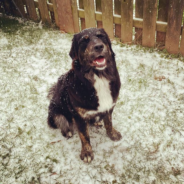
{"points": [[99, 47]]}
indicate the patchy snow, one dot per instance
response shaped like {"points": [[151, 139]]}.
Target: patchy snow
{"points": [[149, 114]]}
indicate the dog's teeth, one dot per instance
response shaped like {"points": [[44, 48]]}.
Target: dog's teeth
{"points": [[101, 63]]}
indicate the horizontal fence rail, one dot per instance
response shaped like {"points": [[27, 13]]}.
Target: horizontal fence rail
{"points": [[154, 24]]}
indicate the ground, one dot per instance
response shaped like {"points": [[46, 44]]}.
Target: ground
{"points": [[149, 114]]}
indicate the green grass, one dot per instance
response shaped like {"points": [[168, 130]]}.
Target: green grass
{"points": [[28, 152]]}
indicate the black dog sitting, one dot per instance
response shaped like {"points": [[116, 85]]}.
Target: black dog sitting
{"points": [[88, 92]]}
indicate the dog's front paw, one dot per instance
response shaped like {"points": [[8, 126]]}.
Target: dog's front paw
{"points": [[87, 153], [114, 135]]}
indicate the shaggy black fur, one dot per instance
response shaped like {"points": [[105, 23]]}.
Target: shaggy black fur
{"points": [[74, 94]]}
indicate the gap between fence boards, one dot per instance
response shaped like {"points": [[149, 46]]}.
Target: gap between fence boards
{"points": [[137, 22]]}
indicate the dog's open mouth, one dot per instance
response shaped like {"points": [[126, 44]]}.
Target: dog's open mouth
{"points": [[99, 62]]}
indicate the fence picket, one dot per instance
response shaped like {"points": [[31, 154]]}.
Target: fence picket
{"points": [[8, 7], [117, 11], [99, 9], [107, 17], [149, 23], [138, 14], [1, 7], [174, 26], [20, 8], [182, 44], [89, 9], [75, 16], [50, 3], [162, 16], [55, 12], [31, 10], [81, 6], [65, 16], [44, 13], [126, 21]]}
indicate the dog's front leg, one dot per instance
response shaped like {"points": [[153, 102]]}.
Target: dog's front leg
{"points": [[111, 132], [86, 152]]}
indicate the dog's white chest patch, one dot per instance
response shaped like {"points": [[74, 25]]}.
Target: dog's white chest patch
{"points": [[103, 93], [102, 88]]}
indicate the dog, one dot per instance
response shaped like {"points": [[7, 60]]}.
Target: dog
{"points": [[88, 92]]}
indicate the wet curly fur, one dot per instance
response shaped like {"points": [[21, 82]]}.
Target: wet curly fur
{"points": [[87, 93]]}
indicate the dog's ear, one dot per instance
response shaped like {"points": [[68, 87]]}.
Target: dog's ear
{"points": [[74, 48], [108, 40]]}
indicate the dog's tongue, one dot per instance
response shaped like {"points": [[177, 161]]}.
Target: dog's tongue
{"points": [[99, 60]]}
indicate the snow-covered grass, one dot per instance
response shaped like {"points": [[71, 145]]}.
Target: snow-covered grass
{"points": [[149, 114]]}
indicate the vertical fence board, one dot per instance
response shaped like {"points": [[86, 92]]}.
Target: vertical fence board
{"points": [[117, 11], [149, 23], [107, 17], [99, 9], [126, 21], [51, 12], [55, 12], [75, 16], [44, 13], [31, 10], [81, 6], [138, 14], [1, 7], [65, 16], [20, 7], [89, 9], [162, 16], [174, 26], [182, 44], [7, 7]]}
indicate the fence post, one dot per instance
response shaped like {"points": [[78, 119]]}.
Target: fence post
{"points": [[126, 21], [31, 10], [162, 16], [107, 17], [117, 11], [149, 23], [138, 14], [99, 9], [65, 16], [174, 26]]}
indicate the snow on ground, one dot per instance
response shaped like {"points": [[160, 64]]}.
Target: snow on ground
{"points": [[149, 114]]}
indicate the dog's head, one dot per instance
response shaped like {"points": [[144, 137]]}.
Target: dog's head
{"points": [[92, 49]]}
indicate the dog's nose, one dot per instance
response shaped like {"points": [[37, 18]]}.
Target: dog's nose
{"points": [[98, 47]]}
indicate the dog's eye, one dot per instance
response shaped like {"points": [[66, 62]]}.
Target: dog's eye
{"points": [[99, 34], [85, 38]]}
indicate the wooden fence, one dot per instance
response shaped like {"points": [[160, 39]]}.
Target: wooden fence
{"points": [[157, 23]]}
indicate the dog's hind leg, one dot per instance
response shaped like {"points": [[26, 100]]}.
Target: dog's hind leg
{"points": [[59, 121], [65, 126]]}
